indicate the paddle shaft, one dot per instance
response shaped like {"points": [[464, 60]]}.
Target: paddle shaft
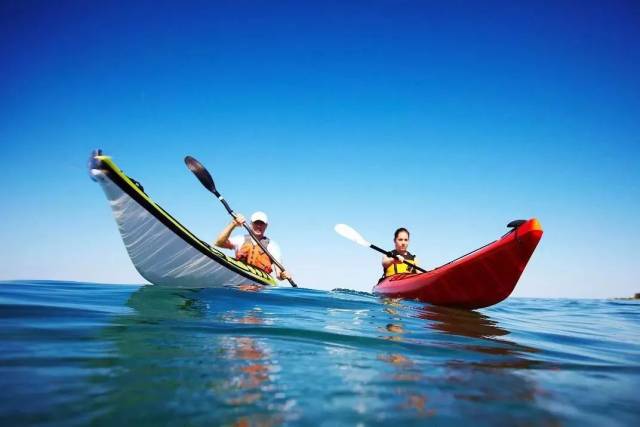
{"points": [[376, 248], [252, 234]]}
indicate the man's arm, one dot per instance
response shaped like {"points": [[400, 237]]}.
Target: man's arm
{"points": [[223, 239], [281, 275], [274, 249]]}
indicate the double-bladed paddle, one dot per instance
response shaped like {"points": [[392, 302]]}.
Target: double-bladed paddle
{"points": [[205, 178], [349, 233]]}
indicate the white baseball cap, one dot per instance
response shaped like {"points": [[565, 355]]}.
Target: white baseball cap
{"points": [[259, 216]]}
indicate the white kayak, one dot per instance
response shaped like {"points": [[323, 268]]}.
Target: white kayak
{"points": [[162, 250]]}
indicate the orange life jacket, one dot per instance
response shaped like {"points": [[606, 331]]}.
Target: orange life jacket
{"points": [[251, 253]]}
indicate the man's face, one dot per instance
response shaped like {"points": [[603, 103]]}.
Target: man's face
{"points": [[259, 228]]}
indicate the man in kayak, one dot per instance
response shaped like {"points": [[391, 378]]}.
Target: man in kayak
{"points": [[246, 248], [400, 260]]}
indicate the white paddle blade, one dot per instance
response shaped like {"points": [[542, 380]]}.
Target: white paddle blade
{"points": [[347, 232]]}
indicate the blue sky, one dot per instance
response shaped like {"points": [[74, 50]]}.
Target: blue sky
{"points": [[449, 118]]}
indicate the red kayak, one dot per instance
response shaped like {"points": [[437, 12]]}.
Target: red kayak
{"points": [[479, 279]]}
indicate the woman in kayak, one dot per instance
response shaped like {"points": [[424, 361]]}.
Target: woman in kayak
{"points": [[246, 248], [399, 260]]}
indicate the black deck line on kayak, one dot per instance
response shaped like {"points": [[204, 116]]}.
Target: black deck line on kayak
{"points": [[439, 267], [514, 230], [468, 253], [122, 184]]}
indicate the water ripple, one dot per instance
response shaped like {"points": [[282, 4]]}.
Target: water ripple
{"points": [[81, 353]]}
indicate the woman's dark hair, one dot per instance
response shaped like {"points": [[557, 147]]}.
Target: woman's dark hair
{"points": [[400, 230]]}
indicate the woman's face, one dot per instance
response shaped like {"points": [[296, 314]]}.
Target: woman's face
{"points": [[402, 241]]}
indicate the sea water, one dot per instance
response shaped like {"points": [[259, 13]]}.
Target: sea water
{"points": [[84, 353]]}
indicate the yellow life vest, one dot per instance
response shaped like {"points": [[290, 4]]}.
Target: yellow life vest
{"points": [[398, 267], [251, 253]]}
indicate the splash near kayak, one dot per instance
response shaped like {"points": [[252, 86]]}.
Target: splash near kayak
{"points": [[162, 250], [479, 279]]}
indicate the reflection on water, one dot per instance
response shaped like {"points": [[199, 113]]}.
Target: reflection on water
{"points": [[472, 324], [405, 371], [104, 355], [460, 322], [252, 371], [471, 378], [208, 366]]}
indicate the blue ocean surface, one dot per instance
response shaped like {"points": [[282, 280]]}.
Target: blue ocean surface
{"points": [[84, 353]]}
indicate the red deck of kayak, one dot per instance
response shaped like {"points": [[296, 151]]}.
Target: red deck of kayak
{"points": [[480, 279]]}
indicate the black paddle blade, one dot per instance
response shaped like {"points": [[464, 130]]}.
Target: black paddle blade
{"points": [[201, 173]]}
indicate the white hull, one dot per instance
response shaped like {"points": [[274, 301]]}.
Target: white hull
{"points": [[163, 256]]}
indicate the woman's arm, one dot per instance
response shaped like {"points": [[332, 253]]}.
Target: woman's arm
{"points": [[387, 261]]}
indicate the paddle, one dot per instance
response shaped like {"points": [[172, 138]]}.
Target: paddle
{"points": [[205, 178], [345, 231]]}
